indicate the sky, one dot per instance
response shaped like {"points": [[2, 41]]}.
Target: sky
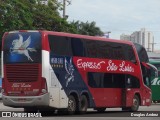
{"points": [[118, 16]]}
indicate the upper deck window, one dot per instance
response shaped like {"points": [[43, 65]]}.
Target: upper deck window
{"points": [[69, 46]]}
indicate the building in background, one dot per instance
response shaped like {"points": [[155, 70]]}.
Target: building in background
{"points": [[125, 37], [142, 37]]}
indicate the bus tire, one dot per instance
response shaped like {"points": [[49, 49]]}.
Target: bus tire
{"points": [[71, 105], [83, 104], [135, 105]]}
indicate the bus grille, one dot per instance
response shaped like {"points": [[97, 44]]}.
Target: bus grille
{"points": [[22, 72]]}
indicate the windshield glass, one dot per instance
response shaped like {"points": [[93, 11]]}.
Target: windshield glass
{"points": [[142, 54], [22, 47]]}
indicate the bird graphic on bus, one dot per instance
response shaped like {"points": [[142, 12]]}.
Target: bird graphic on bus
{"points": [[22, 47], [69, 69]]}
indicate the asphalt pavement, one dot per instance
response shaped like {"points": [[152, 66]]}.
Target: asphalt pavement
{"points": [[147, 113]]}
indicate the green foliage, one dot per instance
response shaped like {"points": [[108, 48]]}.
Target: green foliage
{"points": [[87, 28], [15, 15], [31, 15]]}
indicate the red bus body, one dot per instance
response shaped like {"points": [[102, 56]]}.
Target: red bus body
{"points": [[37, 76]]}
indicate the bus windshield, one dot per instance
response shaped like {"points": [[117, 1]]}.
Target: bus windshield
{"points": [[22, 47]]}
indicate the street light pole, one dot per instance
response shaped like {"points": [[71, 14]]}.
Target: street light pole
{"points": [[64, 8], [153, 46]]}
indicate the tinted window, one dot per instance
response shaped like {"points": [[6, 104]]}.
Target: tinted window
{"points": [[22, 47], [109, 50], [60, 45], [130, 55], [132, 82], [142, 54], [70, 46], [110, 80], [92, 49], [77, 47], [95, 80], [119, 80]]}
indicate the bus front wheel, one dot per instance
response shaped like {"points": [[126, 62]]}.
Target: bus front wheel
{"points": [[135, 104]]}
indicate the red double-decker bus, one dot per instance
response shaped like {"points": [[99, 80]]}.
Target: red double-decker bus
{"points": [[44, 69]]}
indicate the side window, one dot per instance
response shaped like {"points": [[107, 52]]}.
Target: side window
{"points": [[110, 80], [132, 82], [116, 51], [78, 47], [95, 79], [60, 45], [91, 48], [110, 50], [130, 55], [142, 54], [107, 50], [102, 49], [114, 80], [119, 80]]}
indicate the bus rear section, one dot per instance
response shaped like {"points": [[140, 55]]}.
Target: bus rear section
{"points": [[23, 84]]}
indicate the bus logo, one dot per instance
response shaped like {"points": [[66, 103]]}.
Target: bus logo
{"points": [[69, 69], [20, 47]]}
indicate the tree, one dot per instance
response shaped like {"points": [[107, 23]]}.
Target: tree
{"points": [[47, 17], [87, 28], [31, 15]]}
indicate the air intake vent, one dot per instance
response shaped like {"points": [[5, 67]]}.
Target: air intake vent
{"points": [[22, 72]]}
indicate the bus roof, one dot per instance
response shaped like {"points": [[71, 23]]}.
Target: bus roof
{"points": [[75, 36], [87, 37]]}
